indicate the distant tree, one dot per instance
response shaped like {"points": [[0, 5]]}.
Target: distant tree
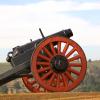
{"points": [[3, 89], [17, 85], [91, 81], [89, 60]]}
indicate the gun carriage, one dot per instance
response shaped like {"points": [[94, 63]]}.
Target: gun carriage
{"points": [[54, 63]]}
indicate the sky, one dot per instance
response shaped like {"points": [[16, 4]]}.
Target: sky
{"points": [[20, 20]]}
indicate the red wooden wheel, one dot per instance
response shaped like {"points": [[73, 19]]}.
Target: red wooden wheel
{"points": [[59, 64], [31, 84]]}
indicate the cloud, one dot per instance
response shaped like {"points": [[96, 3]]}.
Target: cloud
{"points": [[89, 6], [64, 5], [19, 23]]}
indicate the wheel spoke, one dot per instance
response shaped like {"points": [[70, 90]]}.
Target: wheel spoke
{"points": [[58, 80], [59, 47], [75, 64], [32, 82], [45, 90], [28, 77], [74, 58], [47, 52], [70, 53], [73, 71], [65, 80], [47, 74], [43, 57], [51, 79], [38, 87], [69, 76], [43, 69], [65, 48], [42, 63], [52, 48]]}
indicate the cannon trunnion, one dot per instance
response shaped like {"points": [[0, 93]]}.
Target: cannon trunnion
{"points": [[52, 63]]}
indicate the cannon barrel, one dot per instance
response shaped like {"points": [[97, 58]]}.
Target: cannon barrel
{"points": [[20, 58], [21, 54], [66, 33]]}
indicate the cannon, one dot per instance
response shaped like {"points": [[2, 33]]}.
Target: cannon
{"points": [[54, 63]]}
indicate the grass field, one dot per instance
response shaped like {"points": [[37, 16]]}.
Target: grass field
{"points": [[53, 96], [4, 67]]}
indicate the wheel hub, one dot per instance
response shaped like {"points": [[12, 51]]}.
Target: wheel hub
{"points": [[59, 63]]}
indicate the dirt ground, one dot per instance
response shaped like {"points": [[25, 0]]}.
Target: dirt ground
{"points": [[52, 96]]}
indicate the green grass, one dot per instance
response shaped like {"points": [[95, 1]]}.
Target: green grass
{"points": [[95, 63], [4, 67]]}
